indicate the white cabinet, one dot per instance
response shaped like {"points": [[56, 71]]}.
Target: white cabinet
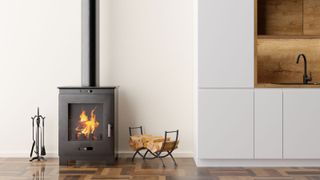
{"points": [[301, 124], [225, 124], [226, 43], [268, 124]]}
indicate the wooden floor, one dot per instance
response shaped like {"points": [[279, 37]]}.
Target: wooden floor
{"points": [[21, 169]]}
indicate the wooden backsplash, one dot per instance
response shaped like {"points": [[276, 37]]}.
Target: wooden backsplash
{"points": [[277, 59]]}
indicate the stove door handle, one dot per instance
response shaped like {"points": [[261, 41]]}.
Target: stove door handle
{"points": [[109, 130]]}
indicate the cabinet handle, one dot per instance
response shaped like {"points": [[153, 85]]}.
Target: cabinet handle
{"points": [[109, 130]]}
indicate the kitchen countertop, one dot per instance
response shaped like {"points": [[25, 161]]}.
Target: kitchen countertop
{"points": [[271, 85]]}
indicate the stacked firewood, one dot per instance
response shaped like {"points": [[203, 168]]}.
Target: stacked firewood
{"points": [[153, 143]]}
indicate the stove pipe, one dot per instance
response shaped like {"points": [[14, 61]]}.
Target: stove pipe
{"points": [[90, 43]]}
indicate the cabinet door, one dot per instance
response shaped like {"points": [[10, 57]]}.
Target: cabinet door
{"points": [[226, 43], [225, 124], [268, 124], [301, 124]]}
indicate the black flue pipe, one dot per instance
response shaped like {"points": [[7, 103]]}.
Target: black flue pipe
{"points": [[90, 43]]}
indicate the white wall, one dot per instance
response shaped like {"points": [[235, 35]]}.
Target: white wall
{"points": [[39, 50], [146, 49], [150, 55]]}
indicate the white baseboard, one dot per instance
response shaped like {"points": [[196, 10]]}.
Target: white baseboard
{"points": [[122, 154], [258, 163], [128, 154], [25, 155]]}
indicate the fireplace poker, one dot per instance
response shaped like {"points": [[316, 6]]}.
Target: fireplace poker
{"points": [[34, 142]]}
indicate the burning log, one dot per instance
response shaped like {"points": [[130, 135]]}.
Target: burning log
{"points": [[86, 127]]}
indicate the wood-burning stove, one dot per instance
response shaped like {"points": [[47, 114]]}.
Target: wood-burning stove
{"points": [[87, 124], [88, 114]]}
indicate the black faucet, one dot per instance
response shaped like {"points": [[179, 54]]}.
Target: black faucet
{"points": [[306, 78]]}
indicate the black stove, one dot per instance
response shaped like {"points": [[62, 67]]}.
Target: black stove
{"points": [[88, 114], [87, 124]]}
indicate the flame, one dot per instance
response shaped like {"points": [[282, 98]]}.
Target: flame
{"points": [[86, 126]]}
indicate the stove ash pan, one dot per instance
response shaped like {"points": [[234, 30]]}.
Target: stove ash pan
{"points": [[87, 124]]}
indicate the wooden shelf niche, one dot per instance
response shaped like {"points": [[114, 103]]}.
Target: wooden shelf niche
{"points": [[286, 28], [288, 17], [280, 17]]}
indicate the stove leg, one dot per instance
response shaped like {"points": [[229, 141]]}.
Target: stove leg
{"points": [[63, 162]]}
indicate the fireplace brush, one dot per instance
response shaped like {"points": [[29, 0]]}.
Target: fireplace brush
{"points": [[43, 149], [38, 137]]}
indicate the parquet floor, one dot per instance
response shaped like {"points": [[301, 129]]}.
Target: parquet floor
{"points": [[21, 169]]}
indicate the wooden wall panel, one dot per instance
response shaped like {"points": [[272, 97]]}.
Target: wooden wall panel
{"points": [[311, 22], [276, 59], [280, 17]]}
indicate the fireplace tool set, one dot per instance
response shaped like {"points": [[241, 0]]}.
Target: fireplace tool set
{"points": [[38, 137]]}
